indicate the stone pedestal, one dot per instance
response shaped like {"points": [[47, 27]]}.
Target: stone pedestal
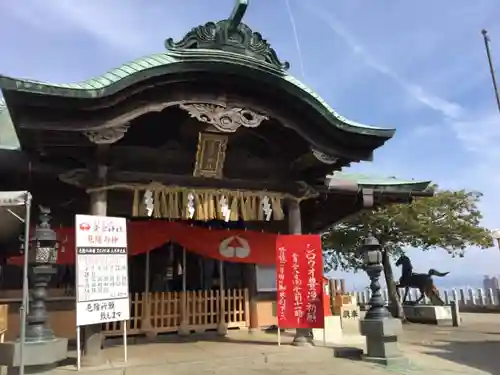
{"points": [[92, 341], [382, 340], [331, 334], [335, 334], [39, 357], [303, 337], [350, 318], [146, 325], [222, 329], [184, 328], [429, 314]]}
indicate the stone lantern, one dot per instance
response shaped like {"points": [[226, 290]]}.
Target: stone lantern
{"points": [[378, 326], [372, 260], [42, 259], [42, 350]]}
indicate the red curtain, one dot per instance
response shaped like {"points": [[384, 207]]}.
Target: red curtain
{"points": [[229, 245]]}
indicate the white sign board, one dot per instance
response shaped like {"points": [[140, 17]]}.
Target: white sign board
{"points": [[101, 270]]}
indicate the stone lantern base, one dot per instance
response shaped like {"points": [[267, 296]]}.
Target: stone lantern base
{"points": [[382, 340], [39, 357]]}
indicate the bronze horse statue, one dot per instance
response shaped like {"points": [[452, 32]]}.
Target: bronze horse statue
{"points": [[421, 281]]}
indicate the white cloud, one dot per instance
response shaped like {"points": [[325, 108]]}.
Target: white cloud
{"points": [[425, 131], [481, 135], [120, 24], [418, 93]]}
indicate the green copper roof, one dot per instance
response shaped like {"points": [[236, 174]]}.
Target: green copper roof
{"points": [[381, 183], [215, 46]]}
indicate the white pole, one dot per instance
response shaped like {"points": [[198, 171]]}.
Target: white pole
{"points": [[24, 305], [125, 354], [279, 336], [78, 349]]}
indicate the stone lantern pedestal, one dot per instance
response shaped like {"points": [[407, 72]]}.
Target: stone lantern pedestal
{"points": [[382, 340]]}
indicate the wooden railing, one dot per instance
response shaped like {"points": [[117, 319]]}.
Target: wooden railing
{"points": [[202, 311]]}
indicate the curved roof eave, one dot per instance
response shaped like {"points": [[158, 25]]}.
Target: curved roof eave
{"points": [[380, 183], [155, 65]]}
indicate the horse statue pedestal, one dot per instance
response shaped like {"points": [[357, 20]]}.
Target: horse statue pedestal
{"points": [[429, 314]]}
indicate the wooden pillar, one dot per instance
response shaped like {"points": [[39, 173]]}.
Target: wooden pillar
{"points": [[146, 325], [222, 326], [184, 329], [303, 337], [250, 282], [92, 335]]}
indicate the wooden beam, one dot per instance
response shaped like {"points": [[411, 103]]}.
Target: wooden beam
{"points": [[134, 177]]}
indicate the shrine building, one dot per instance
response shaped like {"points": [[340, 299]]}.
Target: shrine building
{"points": [[209, 148]]}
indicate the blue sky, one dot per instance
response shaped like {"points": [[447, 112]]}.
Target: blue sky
{"points": [[417, 66]]}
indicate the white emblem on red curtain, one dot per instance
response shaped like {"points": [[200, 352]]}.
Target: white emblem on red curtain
{"points": [[234, 247]]}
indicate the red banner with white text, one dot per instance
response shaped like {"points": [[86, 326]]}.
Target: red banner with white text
{"points": [[299, 281]]}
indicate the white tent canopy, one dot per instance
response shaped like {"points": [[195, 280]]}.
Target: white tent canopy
{"points": [[12, 214], [13, 198]]}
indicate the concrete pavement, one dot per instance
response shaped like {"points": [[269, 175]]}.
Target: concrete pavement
{"points": [[476, 344], [472, 349], [248, 354]]}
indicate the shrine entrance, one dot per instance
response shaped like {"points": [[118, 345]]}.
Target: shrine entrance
{"points": [[171, 286]]}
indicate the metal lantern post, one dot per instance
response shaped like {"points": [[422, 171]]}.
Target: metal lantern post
{"points": [[372, 259], [486, 39], [42, 257], [379, 328], [37, 347]]}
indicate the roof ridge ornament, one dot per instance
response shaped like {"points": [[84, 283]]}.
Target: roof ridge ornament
{"points": [[239, 10], [229, 35]]}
